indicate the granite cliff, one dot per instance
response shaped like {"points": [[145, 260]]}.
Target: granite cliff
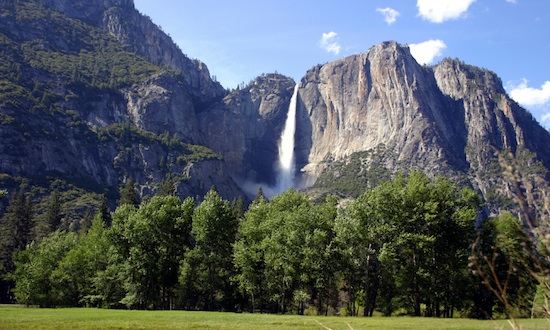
{"points": [[246, 125], [382, 112], [94, 92], [141, 36]]}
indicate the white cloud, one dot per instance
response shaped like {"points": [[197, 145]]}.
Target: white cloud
{"points": [[512, 1], [329, 42], [425, 52], [536, 100], [438, 11], [390, 14], [529, 96]]}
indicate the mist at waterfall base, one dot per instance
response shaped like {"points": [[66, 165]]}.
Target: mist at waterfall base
{"points": [[285, 168]]}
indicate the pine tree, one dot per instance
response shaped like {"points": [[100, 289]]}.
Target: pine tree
{"points": [[260, 194], [105, 211], [53, 213], [50, 221], [167, 187], [15, 234], [129, 194], [238, 207]]}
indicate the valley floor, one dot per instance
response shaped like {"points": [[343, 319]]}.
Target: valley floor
{"points": [[12, 317]]}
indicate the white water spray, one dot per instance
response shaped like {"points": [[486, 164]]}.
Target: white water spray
{"points": [[286, 167]]}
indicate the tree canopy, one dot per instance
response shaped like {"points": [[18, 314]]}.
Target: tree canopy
{"points": [[401, 247]]}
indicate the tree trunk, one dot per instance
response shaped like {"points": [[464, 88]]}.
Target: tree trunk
{"points": [[366, 286], [417, 311]]}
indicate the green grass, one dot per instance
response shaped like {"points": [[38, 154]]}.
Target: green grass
{"points": [[89, 318]]}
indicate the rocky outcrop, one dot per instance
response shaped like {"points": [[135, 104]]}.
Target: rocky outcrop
{"points": [[207, 174], [86, 10], [145, 38], [246, 125], [450, 119], [382, 97], [142, 36], [162, 104], [74, 123], [506, 148]]}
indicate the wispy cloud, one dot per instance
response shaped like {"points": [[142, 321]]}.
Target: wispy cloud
{"points": [[529, 96], [426, 52], [512, 1], [536, 99], [329, 42], [390, 14], [439, 11]]}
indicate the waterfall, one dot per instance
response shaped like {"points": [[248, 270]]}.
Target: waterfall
{"points": [[286, 167]]}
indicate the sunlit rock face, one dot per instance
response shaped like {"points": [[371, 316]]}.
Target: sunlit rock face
{"points": [[451, 119], [382, 97]]}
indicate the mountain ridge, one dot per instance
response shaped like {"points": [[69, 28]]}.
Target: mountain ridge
{"points": [[90, 88], [79, 104], [450, 118]]}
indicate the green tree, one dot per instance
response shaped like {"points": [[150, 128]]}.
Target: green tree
{"points": [[362, 229], [249, 254], [433, 225], [35, 266], [283, 250], [51, 219], [321, 254], [73, 279], [207, 269], [15, 227], [407, 241], [105, 211], [502, 259], [129, 193], [239, 207], [151, 242]]}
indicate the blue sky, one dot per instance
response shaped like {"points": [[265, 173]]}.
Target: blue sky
{"points": [[241, 39]]}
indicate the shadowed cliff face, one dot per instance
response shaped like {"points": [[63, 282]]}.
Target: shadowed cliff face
{"points": [[246, 125], [102, 95]]}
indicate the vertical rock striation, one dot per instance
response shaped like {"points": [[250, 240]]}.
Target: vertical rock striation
{"points": [[246, 125], [450, 119], [382, 97]]}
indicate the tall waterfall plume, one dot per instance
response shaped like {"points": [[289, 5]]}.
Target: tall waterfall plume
{"points": [[286, 166]]}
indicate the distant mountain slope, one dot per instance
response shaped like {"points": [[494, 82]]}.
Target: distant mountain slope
{"points": [[143, 37], [80, 102], [93, 92]]}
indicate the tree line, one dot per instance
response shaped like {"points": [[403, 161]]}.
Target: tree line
{"points": [[402, 248]]}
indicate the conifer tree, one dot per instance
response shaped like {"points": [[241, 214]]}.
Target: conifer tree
{"points": [[17, 223], [15, 234], [105, 211], [167, 187], [128, 193]]}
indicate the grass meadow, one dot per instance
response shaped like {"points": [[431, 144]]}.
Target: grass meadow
{"points": [[91, 318]]}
